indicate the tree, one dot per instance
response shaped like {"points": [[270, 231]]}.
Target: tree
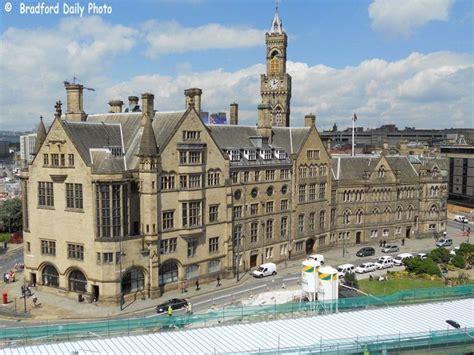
{"points": [[466, 250], [440, 255], [350, 279], [11, 215], [418, 266], [458, 261]]}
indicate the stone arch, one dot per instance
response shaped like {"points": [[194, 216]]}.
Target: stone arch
{"points": [[77, 280], [133, 279], [49, 275]]}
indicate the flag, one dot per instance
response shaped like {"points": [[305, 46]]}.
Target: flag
{"points": [[354, 118]]}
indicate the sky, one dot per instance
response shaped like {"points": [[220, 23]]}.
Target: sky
{"points": [[407, 62]]}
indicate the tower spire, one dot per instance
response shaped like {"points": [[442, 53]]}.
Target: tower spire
{"points": [[277, 25]]}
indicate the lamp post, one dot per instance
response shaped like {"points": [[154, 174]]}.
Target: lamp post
{"points": [[120, 281]]}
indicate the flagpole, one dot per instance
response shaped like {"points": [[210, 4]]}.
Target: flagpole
{"points": [[353, 124]]}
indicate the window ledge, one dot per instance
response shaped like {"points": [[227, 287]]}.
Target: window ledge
{"points": [[80, 210], [46, 207]]}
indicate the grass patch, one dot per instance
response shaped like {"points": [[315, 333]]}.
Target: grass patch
{"points": [[393, 285]]}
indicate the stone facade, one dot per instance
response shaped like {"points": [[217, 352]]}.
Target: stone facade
{"points": [[139, 202]]}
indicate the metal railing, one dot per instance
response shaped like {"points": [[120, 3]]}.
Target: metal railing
{"points": [[16, 336]]}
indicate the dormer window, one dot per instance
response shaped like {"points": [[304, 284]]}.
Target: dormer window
{"points": [[116, 151], [250, 154], [234, 155], [266, 154], [280, 154]]}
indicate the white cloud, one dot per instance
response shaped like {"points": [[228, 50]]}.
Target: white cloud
{"points": [[171, 37], [396, 17], [35, 62]]}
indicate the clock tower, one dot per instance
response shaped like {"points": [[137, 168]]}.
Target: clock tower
{"points": [[275, 85]]}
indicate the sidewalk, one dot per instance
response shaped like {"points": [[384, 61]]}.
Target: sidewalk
{"points": [[55, 307]]}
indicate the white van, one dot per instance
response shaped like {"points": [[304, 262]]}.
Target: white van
{"points": [[317, 257], [461, 218], [398, 260], [345, 268], [265, 270]]}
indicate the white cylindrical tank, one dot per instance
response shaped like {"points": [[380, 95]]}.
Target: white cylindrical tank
{"points": [[328, 288], [309, 275]]}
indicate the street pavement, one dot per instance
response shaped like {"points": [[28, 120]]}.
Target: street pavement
{"points": [[59, 309]]}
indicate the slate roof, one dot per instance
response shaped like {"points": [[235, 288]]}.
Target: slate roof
{"points": [[352, 168], [104, 162], [148, 141], [287, 138]]}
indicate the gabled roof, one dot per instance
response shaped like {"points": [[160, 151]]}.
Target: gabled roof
{"points": [[229, 136], [353, 168]]}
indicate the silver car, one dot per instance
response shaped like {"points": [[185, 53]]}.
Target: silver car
{"points": [[365, 267]]}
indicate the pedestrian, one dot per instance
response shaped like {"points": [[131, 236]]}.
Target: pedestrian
{"points": [[189, 308], [384, 243], [371, 277], [170, 311], [7, 277], [197, 285], [23, 290], [218, 281], [35, 300], [403, 241]]}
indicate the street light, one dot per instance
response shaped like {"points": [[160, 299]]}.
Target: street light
{"points": [[120, 282]]}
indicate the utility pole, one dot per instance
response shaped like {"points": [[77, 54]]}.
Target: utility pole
{"points": [[120, 281]]}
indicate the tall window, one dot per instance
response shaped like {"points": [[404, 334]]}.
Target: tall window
{"points": [[194, 181], [237, 212], [45, 194], [191, 214], [50, 276], [168, 220], [74, 196], [111, 214], [213, 178], [284, 205], [71, 159], [45, 159], [183, 181], [322, 190], [213, 244], [192, 247], [381, 172], [311, 221], [77, 281], [302, 193], [301, 223], [237, 235], [167, 182], [346, 217], [283, 227], [269, 229], [359, 215], [253, 209], [274, 66], [322, 219], [55, 159], [213, 213], [253, 232], [48, 247], [133, 280], [269, 175], [195, 157], [312, 192], [269, 207]]}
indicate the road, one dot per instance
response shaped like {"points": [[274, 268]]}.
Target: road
{"points": [[8, 261]]}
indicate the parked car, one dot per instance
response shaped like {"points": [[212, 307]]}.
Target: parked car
{"points": [[366, 251], [390, 248], [265, 270], [398, 260], [384, 262], [444, 242], [422, 256], [317, 257], [461, 218], [454, 251], [345, 268], [365, 267], [175, 303]]}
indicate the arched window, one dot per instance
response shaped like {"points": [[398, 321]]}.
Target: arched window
{"points": [[381, 172], [399, 212], [433, 211], [410, 212], [274, 65], [77, 281], [50, 276], [133, 280], [359, 215], [346, 217], [386, 213], [168, 273]]}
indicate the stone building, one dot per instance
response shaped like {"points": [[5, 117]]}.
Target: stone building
{"points": [[136, 202]]}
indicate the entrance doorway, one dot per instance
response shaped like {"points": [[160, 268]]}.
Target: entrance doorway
{"points": [[253, 260], [33, 278], [309, 245], [95, 292], [358, 234], [407, 235]]}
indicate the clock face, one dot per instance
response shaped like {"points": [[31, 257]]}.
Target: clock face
{"points": [[274, 84]]}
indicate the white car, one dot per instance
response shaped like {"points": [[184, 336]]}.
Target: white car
{"points": [[344, 269], [384, 262], [317, 257], [461, 218], [398, 260], [268, 269], [365, 267], [422, 256], [454, 251]]}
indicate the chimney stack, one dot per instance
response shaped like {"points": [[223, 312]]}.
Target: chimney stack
{"points": [[75, 107], [264, 126], [133, 103], [193, 99], [148, 105], [234, 114], [116, 106], [309, 120]]}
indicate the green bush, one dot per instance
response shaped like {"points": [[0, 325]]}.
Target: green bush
{"points": [[418, 266], [350, 279], [440, 255], [458, 261], [466, 250]]}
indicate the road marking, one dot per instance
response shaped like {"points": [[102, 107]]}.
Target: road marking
{"points": [[226, 296], [291, 279]]}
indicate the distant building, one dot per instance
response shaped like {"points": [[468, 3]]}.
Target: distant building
{"points": [[27, 147], [4, 149], [461, 174]]}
